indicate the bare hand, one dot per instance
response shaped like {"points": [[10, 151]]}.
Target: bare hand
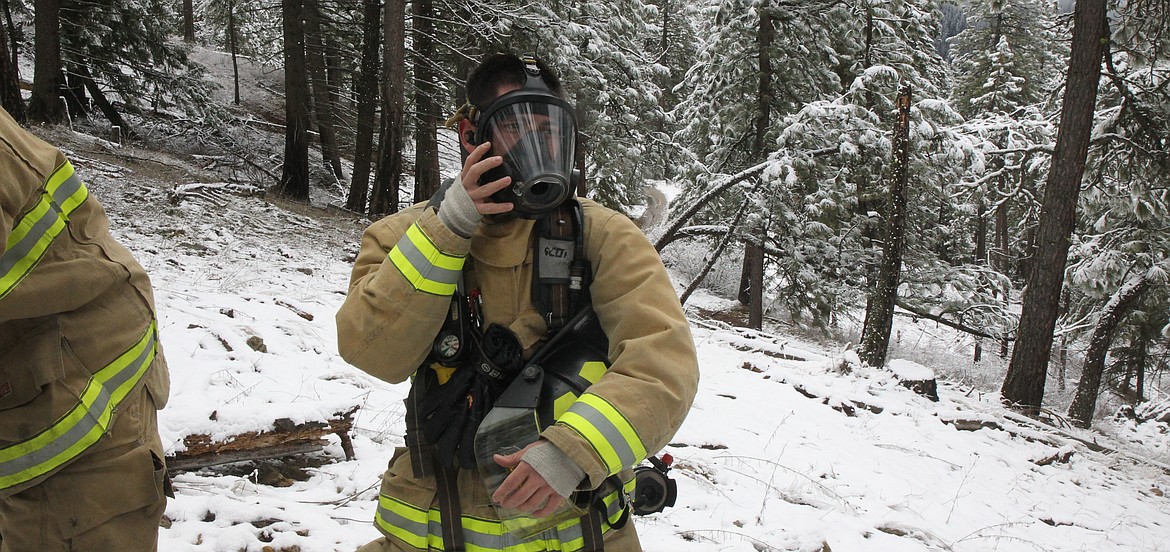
{"points": [[525, 489], [474, 168]]}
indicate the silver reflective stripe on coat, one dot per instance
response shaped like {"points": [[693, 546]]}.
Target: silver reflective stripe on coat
{"points": [[84, 423], [32, 236]]}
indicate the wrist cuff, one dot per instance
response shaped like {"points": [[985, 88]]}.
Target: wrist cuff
{"points": [[557, 469], [458, 211]]}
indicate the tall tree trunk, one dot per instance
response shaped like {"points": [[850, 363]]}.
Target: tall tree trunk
{"points": [[389, 175], [294, 180], [1084, 403], [426, 144], [753, 261], [764, 92], [1024, 383], [76, 101], [335, 77], [367, 89], [188, 21], [9, 80], [980, 258], [1001, 259], [1140, 385], [44, 105], [722, 245], [231, 31], [99, 98], [322, 103], [13, 43], [751, 281], [880, 320]]}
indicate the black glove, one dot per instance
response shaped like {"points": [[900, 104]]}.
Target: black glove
{"points": [[502, 348], [444, 411]]}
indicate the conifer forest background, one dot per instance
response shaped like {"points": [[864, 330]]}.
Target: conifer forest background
{"points": [[1001, 167]]}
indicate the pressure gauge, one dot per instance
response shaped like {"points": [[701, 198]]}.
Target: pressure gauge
{"points": [[447, 346]]}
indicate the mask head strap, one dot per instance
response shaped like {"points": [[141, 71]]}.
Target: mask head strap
{"points": [[534, 89]]}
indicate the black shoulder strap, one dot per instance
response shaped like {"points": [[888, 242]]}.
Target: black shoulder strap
{"points": [[560, 279]]}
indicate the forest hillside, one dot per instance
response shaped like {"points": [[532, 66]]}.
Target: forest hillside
{"points": [[793, 444]]}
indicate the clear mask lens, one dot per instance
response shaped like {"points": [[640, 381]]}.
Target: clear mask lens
{"points": [[537, 142]]}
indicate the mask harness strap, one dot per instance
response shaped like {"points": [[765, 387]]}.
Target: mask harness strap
{"points": [[560, 281]]}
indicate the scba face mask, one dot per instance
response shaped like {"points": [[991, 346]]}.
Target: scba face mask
{"points": [[535, 133]]}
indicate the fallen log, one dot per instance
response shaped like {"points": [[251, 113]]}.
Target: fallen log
{"points": [[284, 439]]}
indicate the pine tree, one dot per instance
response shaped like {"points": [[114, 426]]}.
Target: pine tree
{"points": [[426, 99], [367, 92], [1004, 70], [44, 105], [127, 50], [324, 112], [1005, 58], [1025, 380], [387, 181], [10, 97], [842, 64], [294, 180]]}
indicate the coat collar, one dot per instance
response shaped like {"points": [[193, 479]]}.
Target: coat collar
{"points": [[502, 244]]}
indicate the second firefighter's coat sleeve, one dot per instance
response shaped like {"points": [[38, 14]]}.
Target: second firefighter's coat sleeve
{"points": [[639, 404], [399, 293]]}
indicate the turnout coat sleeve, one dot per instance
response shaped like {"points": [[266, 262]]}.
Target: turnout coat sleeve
{"points": [[386, 326], [644, 397]]}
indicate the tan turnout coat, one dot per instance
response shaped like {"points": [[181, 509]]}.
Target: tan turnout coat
{"points": [[386, 328], [86, 302]]}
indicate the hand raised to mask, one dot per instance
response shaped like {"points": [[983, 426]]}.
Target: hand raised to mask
{"points": [[473, 169]]}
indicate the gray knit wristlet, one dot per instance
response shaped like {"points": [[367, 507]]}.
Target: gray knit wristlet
{"points": [[457, 210], [557, 469]]}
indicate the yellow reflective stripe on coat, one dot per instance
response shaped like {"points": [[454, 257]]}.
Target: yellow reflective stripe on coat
{"points": [[591, 373], [423, 265], [85, 423], [422, 529], [30, 239], [607, 431]]}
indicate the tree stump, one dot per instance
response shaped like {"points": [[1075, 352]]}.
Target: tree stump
{"points": [[915, 377]]}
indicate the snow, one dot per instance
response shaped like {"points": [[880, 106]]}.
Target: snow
{"points": [[789, 446], [909, 370]]}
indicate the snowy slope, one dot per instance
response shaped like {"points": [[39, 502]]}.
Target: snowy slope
{"points": [[789, 446]]}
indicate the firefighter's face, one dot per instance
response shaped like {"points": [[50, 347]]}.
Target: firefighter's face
{"points": [[525, 122]]}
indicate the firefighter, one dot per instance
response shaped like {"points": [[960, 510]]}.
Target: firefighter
{"points": [[81, 372], [461, 293]]}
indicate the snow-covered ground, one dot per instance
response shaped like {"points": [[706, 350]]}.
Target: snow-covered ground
{"points": [[790, 445]]}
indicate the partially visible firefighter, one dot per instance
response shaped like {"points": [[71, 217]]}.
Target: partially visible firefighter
{"points": [[81, 372], [547, 350]]}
